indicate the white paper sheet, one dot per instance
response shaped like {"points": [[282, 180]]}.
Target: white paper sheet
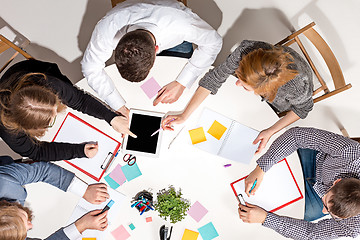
{"points": [[277, 189], [75, 131], [84, 207]]}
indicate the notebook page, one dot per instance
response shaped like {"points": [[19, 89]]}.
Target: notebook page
{"points": [[238, 145], [207, 118], [277, 190]]}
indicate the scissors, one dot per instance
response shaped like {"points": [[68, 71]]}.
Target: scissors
{"points": [[130, 159]]}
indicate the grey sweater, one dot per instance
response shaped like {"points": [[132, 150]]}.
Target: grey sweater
{"points": [[295, 95]]}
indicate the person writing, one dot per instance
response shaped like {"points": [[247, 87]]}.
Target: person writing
{"points": [[32, 94], [137, 31], [15, 219], [331, 171], [278, 74]]}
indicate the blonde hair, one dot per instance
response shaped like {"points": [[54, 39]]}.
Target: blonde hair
{"points": [[11, 224], [29, 106], [266, 70]]}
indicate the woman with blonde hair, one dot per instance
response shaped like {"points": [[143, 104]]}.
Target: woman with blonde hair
{"points": [[31, 94], [278, 74]]}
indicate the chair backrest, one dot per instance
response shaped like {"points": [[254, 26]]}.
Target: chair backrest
{"points": [[346, 134], [6, 45], [114, 2], [336, 74]]}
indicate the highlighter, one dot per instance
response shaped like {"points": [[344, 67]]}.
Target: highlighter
{"points": [[107, 207]]}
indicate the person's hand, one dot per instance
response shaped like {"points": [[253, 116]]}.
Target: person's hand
{"points": [[96, 193], [91, 221], [124, 111], [121, 125], [258, 175], [264, 137], [167, 122], [251, 213], [91, 149], [170, 93]]}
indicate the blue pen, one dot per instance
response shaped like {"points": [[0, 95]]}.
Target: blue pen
{"points": [[253, 186]]}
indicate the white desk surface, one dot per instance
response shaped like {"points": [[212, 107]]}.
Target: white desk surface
{"points": [[201, 176]]}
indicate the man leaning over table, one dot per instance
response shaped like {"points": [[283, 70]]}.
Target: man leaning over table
{"points": [[137, 31], [331, 169], [15, 219]]}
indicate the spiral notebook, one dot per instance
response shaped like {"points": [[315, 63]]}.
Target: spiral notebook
{"points": [[225, 137]]}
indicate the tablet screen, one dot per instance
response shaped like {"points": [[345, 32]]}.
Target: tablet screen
{"points": [[143, 126]]}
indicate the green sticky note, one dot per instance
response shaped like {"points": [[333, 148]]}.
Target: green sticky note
{"points": [[112, 183]]}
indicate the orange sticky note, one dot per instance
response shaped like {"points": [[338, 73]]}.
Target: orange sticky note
{"points": [[217, 130], [88, 238], [197, 135], [189, 235]]}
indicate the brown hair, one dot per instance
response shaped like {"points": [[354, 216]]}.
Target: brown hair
{"points": [[345, 201], [135, 55], [11, 224], [266, 70], [28, 106]]}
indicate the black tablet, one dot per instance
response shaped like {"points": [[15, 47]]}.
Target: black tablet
{"points": [[143, 124]]}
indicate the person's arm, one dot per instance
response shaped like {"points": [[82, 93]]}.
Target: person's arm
{"points": [[41, 151], [209, 44], [198, 97], [88, 221], [98, 51], [266, 134], [304, 230], [312, 138]]}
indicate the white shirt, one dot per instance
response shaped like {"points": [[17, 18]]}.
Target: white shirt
{"points": [[77, 187], [169, 21]]}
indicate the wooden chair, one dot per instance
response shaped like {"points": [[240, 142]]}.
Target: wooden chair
{"points": [[114, 2], [336, 74], [6, 45], [346, 134]]}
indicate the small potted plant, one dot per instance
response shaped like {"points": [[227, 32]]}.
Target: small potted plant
{"points": [[171, 205]]}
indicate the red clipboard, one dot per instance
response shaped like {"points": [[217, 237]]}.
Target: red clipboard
{"points": [[294, 184], [108, 146]]}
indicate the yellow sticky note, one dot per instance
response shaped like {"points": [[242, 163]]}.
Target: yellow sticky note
{"points": [[197, 135], [190, 235], [217, 130]]}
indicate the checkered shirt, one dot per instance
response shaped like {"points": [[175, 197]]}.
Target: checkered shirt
{"points": [[338, 157]]}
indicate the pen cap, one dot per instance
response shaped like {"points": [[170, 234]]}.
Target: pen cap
{"points": [[110, 203]]}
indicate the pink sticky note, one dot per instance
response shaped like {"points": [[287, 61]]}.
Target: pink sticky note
{"points": [[120, 233], [148, 219], [117, 175], [150, 87], [197, 211]]}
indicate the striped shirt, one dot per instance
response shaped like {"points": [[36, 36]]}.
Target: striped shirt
{"points": [[338, 157]]}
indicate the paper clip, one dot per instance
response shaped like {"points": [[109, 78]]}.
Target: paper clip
{"points": [[107, 160]]}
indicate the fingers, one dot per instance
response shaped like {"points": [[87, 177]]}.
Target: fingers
{"points": [[160, 96], [131, 133]]}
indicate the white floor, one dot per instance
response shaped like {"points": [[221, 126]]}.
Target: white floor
{"points": [[60, 30]]}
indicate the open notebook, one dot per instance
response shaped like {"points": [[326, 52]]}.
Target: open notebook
{"points": [[277, 190], [226, 137], [84, 207]]}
